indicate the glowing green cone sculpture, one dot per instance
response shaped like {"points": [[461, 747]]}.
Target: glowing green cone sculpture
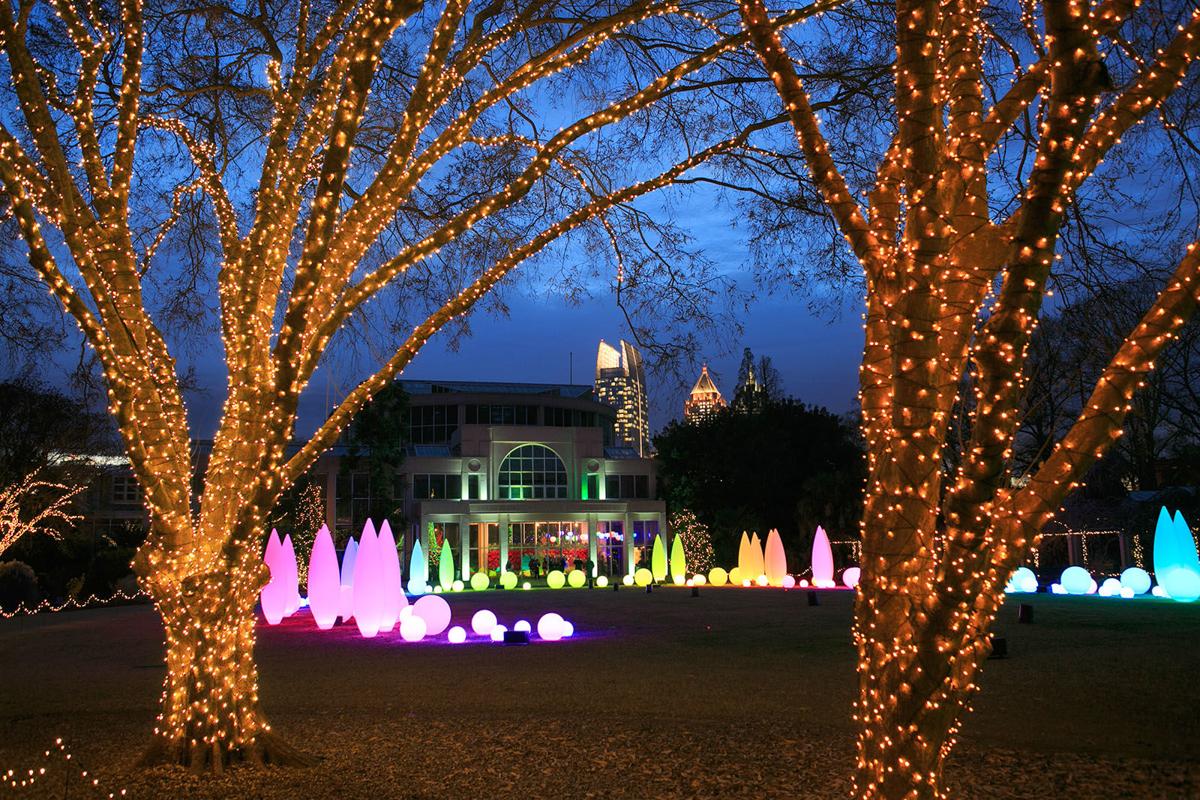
{"points": [[446, 566], [658, 560], [1176, 563], [678, 561]]}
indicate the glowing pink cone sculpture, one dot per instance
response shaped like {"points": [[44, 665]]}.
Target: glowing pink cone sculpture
{"points": [[291, 577], [822, 560], [324, 583], [776, 560], [346, 602], [368, 584], [393, 591], [274, 596]]}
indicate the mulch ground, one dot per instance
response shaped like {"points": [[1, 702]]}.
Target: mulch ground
{"points": [[733, 694]]}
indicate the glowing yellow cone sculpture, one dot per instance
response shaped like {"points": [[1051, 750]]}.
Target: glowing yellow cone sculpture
{"points": [[678, 561], [658, 560], [775, 565], [743, 562], [756, 559]]}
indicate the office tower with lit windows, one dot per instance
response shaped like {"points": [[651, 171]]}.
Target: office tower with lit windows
{"points": [[621, 383]]}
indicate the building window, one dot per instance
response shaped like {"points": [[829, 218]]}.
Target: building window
{"points": [[125, 489], [433, 424], [501, 415], [437, 487], [473, 488], [627, 487], [532, 472]]}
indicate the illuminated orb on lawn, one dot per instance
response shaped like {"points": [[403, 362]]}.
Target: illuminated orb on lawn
{"points": [[851, 576], [456, 635], [627, 580], [1075, 580], [789, 582], [679, 580], [497, 633], [413, 628], [549, 627], [746, 583], [1136, 579], [1110, 588], [602, 582], [576, 578], [479, 581], [435, 611], [526, 586], [555, 579], [568, 630], [735, 576], [508, 580], [699, 580], [482, 622], [1022, 580], [762, 580], [457, 586], [643, 577], [523, 625], [717, 576]]}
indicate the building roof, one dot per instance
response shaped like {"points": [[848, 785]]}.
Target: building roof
{"points": [[568, 390], [704, 384]]}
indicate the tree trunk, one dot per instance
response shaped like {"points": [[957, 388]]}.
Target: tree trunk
{"points": [[211, 716]]}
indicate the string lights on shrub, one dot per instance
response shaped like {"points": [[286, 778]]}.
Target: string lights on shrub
{"points": [[19, 780]]}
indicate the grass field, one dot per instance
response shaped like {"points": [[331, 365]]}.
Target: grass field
{"points": [[742, 693]]}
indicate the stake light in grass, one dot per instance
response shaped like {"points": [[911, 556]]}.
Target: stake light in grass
{"points": [[324, 582], [393, 588], [658, 560], [775, 560], [678, 560], [822, 560], [273, 596], [368, 584]]}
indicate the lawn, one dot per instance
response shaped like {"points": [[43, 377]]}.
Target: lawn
{"points": [[736, 693]]}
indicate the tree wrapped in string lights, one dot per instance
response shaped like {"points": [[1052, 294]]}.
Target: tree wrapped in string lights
{"points": [[34, 506], [956, 278], [303, 160]]}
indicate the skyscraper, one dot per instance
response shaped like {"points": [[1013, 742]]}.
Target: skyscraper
{"points": [[621, 383], [704, 401]]}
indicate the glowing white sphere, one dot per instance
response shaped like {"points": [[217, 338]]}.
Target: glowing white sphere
{"points": [[1022, 580], [699, 580], [549, 627], [602, 582], [435, 611], [746, 583], [1110, 588], [762, 580], [555, 579], [479, 581], [412, 628], [568, 630], [437, 589], [1056, 588], [1127, 592], [717, 576], [523, 625], [405, 613], [804, 583], [1136, 579], [526, 586], [789, 582], [643, 577], [1158, 591], [627, 580], [457, 586], [678, 580], [577, 578], [456, 635], [508, 580], [497, 633], [1075, 580], [482, 622]]}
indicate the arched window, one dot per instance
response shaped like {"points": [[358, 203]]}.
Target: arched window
{"points": [[532, 472]]}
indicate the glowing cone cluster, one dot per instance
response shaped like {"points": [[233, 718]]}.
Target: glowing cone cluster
{"points": [[1176, 563]]}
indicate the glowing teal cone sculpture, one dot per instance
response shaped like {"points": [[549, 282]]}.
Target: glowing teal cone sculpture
{"points": [[1176, 563], [446, 566], [658, 560], [418, 571], [678, 560]]}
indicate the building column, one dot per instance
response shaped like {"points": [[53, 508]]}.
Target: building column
{"points": [[627, 530], [464, 543], [592, 525], [503, 536]]}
